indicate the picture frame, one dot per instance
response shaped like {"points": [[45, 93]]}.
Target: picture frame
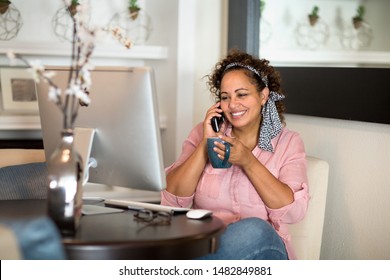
{"points": [[18, 90]]}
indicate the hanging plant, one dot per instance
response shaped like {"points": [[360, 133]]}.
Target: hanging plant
{"points": [[134, 9], [72, 8], [313, 16], [358, 19], [10, 20], [4, 6], [262, 7]]}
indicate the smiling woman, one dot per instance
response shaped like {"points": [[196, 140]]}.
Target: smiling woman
{"points": [[265, 188]]}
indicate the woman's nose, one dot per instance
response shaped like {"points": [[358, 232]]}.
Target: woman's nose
{"points": [[233, 103]]}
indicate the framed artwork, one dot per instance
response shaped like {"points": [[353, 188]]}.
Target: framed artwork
{"points": [[18, 90]]}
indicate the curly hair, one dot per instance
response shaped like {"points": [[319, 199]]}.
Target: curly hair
{"points": [[260, 65]]}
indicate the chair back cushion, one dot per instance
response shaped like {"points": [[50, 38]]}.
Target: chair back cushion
{"points": [[307, 234], [24, 181]]}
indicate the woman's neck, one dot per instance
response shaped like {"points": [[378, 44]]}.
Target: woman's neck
{"points": [[248, 135]]}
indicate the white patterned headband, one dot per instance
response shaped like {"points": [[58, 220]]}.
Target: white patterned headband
{"points": [[250, 68]]}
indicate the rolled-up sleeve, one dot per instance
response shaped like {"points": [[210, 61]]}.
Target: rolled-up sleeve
{"points": [[178, 201], [293, 172]]}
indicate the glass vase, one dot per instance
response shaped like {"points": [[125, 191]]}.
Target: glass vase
{"points": [[65, 185]]}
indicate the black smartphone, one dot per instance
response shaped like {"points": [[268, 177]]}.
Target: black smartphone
{"points": [[216, 123]]}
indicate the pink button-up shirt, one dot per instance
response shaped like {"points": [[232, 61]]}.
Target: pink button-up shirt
{"points": [[230, 194]]}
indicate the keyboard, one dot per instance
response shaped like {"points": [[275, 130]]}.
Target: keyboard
{"points": [[137, 205]]}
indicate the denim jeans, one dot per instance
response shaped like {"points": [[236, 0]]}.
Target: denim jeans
{"points": [[38, 239], [249, 239]]}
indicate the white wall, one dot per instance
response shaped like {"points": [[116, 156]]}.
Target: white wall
{"points": [[201, 41], [165, 32], [211, 45]]}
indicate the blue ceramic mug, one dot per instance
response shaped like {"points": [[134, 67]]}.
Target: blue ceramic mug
{"points": [[215, 161]]}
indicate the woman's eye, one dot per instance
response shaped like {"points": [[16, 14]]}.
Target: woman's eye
{"points": [[242, 94], [224, 98]]}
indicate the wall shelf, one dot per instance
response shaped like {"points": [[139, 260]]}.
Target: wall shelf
{"points": [[20, 122], [327, 58], [103, 50], [33, 122]]}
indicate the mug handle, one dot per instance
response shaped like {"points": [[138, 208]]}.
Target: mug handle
{"points": [[227, 153]]}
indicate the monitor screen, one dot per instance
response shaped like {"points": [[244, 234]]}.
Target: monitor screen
{"points": [[124, 115]]}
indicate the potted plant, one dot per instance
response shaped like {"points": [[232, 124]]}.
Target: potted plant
{"points": [[358, 19], [134, 9], [73, 7], [4, 6], [262, 7], [313, 16]]}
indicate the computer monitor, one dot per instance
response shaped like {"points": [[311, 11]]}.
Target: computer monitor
{"points": [[124, 115]]}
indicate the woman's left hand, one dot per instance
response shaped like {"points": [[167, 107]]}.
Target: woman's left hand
{"points": [[239, 154]]}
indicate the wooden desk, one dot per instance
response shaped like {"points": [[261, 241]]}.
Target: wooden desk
{"points": [[119, 236]]}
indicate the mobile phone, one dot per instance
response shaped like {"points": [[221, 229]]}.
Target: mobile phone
{"points": [[216, 123]]}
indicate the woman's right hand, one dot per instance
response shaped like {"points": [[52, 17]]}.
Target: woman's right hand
{"points": [[213, 111]]}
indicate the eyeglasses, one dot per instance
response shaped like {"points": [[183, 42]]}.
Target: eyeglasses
{"points": [[153, 218]]}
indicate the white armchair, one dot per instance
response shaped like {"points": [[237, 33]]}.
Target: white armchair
{"points": [[307, 234]]}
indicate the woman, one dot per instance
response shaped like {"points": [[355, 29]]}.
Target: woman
{"points": [[266, 187]]}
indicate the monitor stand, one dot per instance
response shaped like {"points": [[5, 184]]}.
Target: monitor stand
{"points": [[83, 139]]}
